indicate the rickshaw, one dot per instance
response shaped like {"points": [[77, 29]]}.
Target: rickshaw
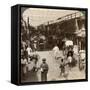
{"points": [[81, 59], [68, 51], [68, 47]]}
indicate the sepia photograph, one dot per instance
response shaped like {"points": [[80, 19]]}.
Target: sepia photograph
{"points": [[53, 44]]}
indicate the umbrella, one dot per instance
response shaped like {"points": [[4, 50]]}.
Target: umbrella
{"points": [[69, 43]]}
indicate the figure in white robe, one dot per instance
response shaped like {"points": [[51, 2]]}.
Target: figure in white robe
{"points": [[56, 52]]}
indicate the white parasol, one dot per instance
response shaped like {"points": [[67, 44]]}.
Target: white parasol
{"points": [[69, 43]]}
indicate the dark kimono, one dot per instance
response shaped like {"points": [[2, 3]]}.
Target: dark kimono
{"points": [[44, 67]]}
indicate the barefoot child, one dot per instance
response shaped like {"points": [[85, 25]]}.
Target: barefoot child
{"points": [[62, 67]]}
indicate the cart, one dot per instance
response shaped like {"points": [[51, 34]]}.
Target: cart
{"points": [[82, 60]]}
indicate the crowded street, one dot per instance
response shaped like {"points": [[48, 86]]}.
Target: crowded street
{"points": [[54, 70], [53, 47]]}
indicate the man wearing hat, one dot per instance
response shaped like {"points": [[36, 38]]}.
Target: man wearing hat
{"points": [[44, 70]]}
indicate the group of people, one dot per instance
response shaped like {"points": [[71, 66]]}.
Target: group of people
{"points": [[29, 59], [67, 61], [28, 69], [66, 65]]}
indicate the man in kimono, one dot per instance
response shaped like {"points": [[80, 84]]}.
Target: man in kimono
{"points": [[44, 70]]}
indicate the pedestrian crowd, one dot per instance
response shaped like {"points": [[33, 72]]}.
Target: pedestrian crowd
{"points": [[30, 58]]}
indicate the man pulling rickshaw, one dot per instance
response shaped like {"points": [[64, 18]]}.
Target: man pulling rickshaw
{"points": [[69, 53]]}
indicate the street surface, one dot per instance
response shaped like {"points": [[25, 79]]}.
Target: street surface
{"points": [[54, 70]]}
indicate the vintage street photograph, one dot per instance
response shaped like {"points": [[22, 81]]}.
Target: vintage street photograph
{"points": [[53, 44]]}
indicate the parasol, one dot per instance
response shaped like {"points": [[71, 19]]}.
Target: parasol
{"points": [[69, 43]]}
